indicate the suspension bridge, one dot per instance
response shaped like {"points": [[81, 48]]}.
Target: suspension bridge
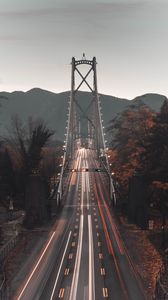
{"points": [[84, 257]]}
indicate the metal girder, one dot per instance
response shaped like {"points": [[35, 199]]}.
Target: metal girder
{"points": [[77, 113], [84, 80], [93, 116]]}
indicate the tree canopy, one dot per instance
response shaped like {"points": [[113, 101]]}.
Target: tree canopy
{"points": [[139, 141]]}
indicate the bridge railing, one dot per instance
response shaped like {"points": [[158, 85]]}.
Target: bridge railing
{"points": [[2, 286], [4, 251], [62, 184], [111, 185]]}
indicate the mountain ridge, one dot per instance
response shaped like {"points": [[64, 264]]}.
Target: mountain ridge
{"points": [[53, 107]]}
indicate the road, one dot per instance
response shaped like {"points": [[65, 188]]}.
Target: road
{"points": [[84, 257]]}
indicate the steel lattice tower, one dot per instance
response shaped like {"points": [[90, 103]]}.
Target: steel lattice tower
{"points": [[91, 113]]}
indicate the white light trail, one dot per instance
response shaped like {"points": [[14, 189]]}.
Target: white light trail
{"points": [[59, 270], [87, 185], [32, 273], [91, 261], [75, 279]]}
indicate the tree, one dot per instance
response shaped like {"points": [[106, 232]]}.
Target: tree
{"points": [[128, 132], [155, 161], [7, 177], [28, 143], [155, 155]]}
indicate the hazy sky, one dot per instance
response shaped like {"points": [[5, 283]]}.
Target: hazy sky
{"points": [[128, 37]]}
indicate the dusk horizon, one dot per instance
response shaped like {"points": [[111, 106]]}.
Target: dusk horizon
{"points": [[128, 38], [68, 90]]}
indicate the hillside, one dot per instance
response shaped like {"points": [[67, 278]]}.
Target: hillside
{"points": [[53, 108]]}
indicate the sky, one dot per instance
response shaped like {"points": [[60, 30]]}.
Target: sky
{"points": [[38, 39]]}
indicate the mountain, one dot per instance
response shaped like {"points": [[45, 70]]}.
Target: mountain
{"points": [[53, 107]]}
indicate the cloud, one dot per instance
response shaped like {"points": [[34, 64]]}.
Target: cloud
{"points": [[85, 20], [10, 38], [27, 13], [73, 8]]}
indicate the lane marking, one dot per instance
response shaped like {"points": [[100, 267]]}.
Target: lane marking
{"points": [[61, 293], [59, 271], [32, 273], [70, 255], [73, 244], [105, 292], [66, 273], [102, 271], [100, 255]]}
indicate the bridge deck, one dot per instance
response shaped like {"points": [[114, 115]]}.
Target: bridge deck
{"points": [[84, 257]]}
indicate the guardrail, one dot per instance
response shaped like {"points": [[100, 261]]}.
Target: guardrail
{"points": [[12, 215], [2, 287], [112, 189], [3, 255], [4, 251]]}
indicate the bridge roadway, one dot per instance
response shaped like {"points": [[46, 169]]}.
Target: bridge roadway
{"points": [[84, 257]]}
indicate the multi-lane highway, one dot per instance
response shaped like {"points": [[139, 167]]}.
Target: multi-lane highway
{"points": [[84, 257]]}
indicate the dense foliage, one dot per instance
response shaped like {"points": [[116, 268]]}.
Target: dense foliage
{"points": [[139, 143], [128, 131], [24, 152]]}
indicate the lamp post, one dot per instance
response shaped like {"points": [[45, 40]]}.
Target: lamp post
{"points": [[10, 208], [163, 226]]}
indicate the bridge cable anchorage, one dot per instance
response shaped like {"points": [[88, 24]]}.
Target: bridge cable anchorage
{"points": [[84, 124]]}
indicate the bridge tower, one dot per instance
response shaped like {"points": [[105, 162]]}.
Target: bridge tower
{"points": [[92, 116], [91, 113]]}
